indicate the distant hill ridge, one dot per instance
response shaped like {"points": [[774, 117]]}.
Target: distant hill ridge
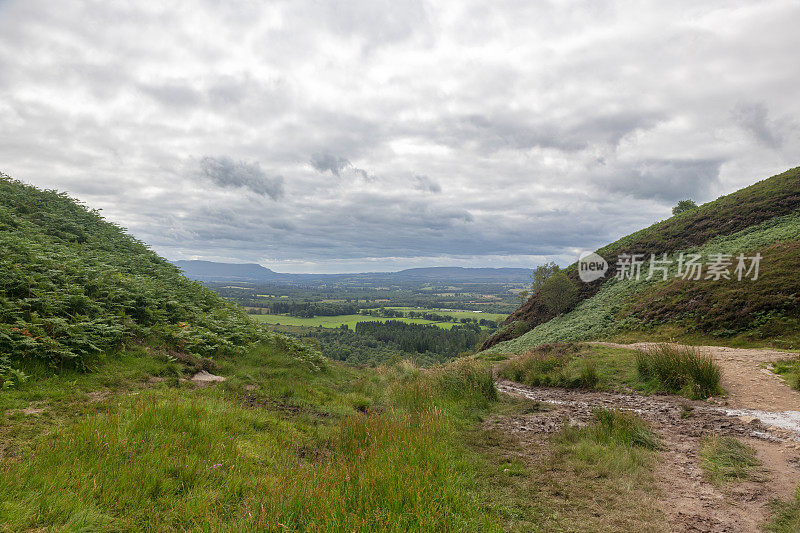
{"points": [[213, 271], [762, 218]]}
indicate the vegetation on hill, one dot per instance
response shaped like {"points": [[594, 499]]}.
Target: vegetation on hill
{"points": [[762, 218], [75, 287]]}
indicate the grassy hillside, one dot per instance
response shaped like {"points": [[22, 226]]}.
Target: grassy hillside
{"points": [[74, 287], [762, 218]]}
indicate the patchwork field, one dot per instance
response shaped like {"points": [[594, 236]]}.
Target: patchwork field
{"points": [[338, 321], [454, 314]]}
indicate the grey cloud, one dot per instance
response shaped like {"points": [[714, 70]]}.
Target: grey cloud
{"points": [[330, 163], [754, 118], [325, 162], [666, 180], [523, 131], [424, 183], [227, 173]]}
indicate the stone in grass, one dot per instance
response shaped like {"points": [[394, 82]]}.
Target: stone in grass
{"points": [[203, 378]]}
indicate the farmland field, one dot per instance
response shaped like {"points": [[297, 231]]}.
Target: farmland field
{"points": [[454, 314], [337, 321]]}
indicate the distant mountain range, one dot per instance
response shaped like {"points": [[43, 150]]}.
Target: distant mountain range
{"points": [[251, 272]]}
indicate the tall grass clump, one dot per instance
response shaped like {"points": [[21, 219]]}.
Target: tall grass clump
{"points": [[550, 365], [680, 369], [620, 427], [465, 385], [469, 380]]}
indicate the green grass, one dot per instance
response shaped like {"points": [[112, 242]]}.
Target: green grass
{"points": [[786, 516], [790, 370], [726, 459], [598, 477], [278, 445], [576, 365], [612, 428], [337, 321], [680, 369]]}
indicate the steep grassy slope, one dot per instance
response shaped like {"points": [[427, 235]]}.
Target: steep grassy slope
{"points": [[74, 287], [761, 218]]}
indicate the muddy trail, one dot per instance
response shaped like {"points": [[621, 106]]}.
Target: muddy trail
{"points": [[760, 409]]}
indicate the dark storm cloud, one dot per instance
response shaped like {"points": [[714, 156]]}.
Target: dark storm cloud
{"points": [[487, 133], [225, 172]]}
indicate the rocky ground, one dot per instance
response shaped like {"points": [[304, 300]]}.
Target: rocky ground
{"points": [[759, 408]]}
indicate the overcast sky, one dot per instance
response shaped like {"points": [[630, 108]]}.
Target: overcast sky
{"points": [[323, 136]]}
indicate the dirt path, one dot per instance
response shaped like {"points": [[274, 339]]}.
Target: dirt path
{"points": [[759, 409], [749, 384]]}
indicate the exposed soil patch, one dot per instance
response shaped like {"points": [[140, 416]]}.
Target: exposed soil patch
{"points": [[690, 501], [253, 401]]}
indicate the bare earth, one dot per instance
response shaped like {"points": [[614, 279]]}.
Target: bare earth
{"points": [[760, 409]]}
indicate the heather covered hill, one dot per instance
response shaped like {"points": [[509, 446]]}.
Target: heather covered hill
{"points": [[762, 218]]}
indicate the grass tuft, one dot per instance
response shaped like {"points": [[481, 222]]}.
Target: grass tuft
{"points": [[727, 459], [786, 515], [789, 369], [553, 365], [680, 369], [611, 426]]}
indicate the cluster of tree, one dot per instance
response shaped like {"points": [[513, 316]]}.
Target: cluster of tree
{"points": [[421, 338], [487, 297], [385, 312], [306, 309], [377, 342]]}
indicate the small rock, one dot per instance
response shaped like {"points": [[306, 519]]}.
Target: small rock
{"points": [[203, 378]]}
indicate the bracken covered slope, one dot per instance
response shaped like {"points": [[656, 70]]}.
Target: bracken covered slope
{"points": [[74, 287]]}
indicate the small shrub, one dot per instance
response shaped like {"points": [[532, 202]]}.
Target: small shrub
{"points": [[559, 293], [519, 328]]}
